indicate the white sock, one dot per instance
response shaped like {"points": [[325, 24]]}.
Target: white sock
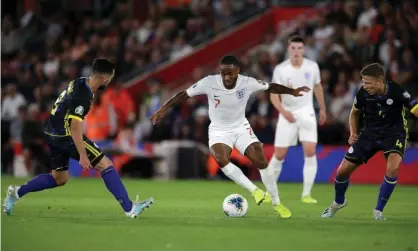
{"points": [[16, 192], [276, 165], [309, 173], [268, 178], [234, 173]]}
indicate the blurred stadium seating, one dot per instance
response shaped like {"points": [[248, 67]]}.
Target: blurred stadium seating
{"points": [[163, 46]]}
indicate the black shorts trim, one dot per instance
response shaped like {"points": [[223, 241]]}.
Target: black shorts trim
{"points": [[60, 169], [354, 160], [94, 153], [387, 153]]}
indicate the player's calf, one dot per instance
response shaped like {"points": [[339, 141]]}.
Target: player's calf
{"points": [[234, 173], [341, 184], [388, 185], [39, 183], [276, 161], [44, 181], [342, 180], [221, 159], [221, 153], [114, 184], [310, 168], [61, 177], [255, 153], [260, 163]]}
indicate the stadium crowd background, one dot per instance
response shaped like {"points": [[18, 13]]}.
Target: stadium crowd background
{"points": [[42, 51]]}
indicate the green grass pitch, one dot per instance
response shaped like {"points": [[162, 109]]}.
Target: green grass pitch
{"points": [[188, 216]]}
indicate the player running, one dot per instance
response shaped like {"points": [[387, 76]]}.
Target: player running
{"points": [[383, 105], [297, 115], [228, 93], [64, 135]]}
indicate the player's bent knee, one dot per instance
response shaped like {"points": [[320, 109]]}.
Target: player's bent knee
{"points": [[222, 161], [346, 168], [261, 164], [280, 153], [310, 152], [393, 164], [104, 163], [392, 171], [309, 149], [61, 181], [61, 177]]}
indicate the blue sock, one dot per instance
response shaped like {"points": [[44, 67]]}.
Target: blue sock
{"points": [[114, 184], [341, 185], [386, 189], [39, 183]]}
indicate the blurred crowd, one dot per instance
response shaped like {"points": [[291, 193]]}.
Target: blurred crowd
{"points": [[43, 52], [345, 37], [40, 56]]}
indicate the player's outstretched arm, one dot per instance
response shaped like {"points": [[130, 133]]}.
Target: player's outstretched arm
{"points": [[281, 89], [77, 135], [176, 99]]}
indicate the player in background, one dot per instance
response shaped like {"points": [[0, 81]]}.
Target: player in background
{"points": [[297, 115], [64, 135], [382, 105], [228, 93]]}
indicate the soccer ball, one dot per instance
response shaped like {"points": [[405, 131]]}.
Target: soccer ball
{"points": [[235, 205]]}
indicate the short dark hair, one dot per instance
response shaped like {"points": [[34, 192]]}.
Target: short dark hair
{"points": [[373, 70], [103, 65], [296, 39], [229, 59]]}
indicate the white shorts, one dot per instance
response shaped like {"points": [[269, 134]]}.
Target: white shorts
{"points": [[239, 138], [305, 127]]}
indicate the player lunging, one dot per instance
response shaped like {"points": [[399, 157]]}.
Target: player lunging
{"points": [[65, 138], [228, 94], [383, 105], [297, 115]]}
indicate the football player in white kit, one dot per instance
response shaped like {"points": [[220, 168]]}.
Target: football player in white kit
{"points": [[228, 93], [297, 116]]}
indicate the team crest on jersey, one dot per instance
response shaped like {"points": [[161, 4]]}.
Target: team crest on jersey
{"points": [[389, 101], [406, 94], [240, 94], [307, 75], [79, 110]]}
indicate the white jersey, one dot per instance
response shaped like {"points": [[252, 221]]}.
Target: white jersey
{"points": [[307, 75], [227, 106]]}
